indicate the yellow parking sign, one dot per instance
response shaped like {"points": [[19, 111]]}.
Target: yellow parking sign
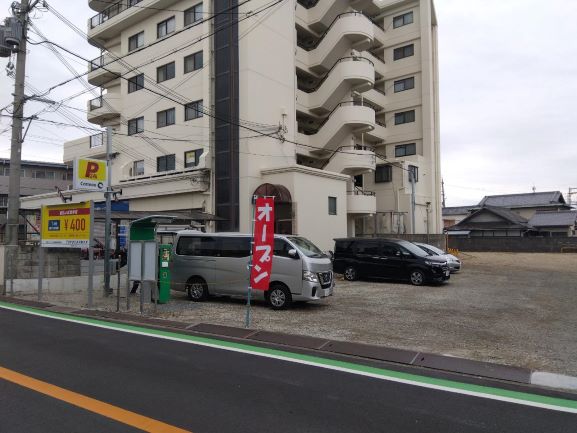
{"points": [[90, 174], [66, 225]]}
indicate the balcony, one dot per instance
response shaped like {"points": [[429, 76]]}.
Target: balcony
{"points": [[361, 202], [102, 70], [93, 146], [103, 108], [352, 160], [350, 30], [324, 136], [110, 21], [318, 15], [347, 74]]}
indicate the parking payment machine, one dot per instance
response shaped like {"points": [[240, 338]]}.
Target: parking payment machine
{"points": [[164, 257]]}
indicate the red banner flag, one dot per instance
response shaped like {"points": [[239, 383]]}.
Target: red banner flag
{"points": [[263, 245]]}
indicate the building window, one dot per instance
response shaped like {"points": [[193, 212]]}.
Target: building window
{"points": [[402, 52], [165, 27], [50, 175], [405, 84], [165, 72], [135, 125], [165, 118], [404, 117], [193, 14], [403, 20], [405, 150], [192, 158], [193, 62], [165, 163], [332, 205], [138, 168], [136, 83], [136, 41], [39, 174], [384, 173], [414, 172], [193, 110], [4, 201]]}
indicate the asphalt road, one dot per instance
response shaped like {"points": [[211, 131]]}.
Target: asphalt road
{"points": [[205, 389]]}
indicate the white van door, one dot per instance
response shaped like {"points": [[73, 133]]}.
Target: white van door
{"points": [[195, 258], [233, 255]]}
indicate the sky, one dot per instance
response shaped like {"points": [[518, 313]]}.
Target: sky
{"points": [[508, 93]]}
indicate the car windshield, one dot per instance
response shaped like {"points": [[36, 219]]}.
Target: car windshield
{"points": [[307, 247], [414, 249]]}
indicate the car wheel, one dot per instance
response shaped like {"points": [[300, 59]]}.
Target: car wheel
{"points": [[279, 297], [417, 277], [350, 273], [197, 290]]}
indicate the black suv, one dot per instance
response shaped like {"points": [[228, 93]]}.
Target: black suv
{"points": [[387, 258]]}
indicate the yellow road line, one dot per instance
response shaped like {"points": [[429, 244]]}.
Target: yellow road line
{"points": [[101, 408]]}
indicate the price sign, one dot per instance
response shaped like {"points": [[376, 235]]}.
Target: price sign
{"points": [[66, 225]]}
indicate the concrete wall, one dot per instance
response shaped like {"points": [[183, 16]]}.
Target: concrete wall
{"points": [[519, 245], [58, 262]]}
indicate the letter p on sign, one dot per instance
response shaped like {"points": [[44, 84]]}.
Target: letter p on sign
{"points": [[91, 170]]}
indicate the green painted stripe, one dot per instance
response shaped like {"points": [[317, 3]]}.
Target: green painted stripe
{"points": [[385, 373]]}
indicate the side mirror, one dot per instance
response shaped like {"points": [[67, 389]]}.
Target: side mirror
{"points": [[330, 254], [398, 253], [293, 253]]}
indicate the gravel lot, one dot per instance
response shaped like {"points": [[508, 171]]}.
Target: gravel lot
{"points": [[517, 309]]}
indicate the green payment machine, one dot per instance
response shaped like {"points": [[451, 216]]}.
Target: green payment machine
{"points": [[148, 261], [164, 258]]}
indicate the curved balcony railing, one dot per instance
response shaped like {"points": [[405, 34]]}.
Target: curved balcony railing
{"points": [[359, 191], [341, 60], [343, 149], [326, 119], [112, 11], [310, 44]]}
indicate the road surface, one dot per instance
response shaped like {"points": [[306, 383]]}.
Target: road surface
{"points": [[65, 376]]}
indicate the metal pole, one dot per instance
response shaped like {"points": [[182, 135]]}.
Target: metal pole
{"points": [[118, 285], [40, 270], [413, 205], [108, 196], [13, 212], [248, 317], [91, 256], [12, 275]]}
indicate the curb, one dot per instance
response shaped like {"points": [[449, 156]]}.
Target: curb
{"points": [[441, 363]]}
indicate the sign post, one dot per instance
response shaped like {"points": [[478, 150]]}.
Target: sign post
{"points": [[262, 252]]}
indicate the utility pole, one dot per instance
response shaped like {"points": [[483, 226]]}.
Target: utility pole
{"points": [[13, 211], [443, 191], [108, 196]]}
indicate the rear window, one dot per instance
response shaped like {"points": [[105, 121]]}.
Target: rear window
{"points": [[343, 246], [196, 246]]}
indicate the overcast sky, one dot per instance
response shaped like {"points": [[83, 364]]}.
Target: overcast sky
{"points": [[508, 71]]}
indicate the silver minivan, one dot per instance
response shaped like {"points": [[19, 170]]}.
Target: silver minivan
{"points": [[206, 264]]}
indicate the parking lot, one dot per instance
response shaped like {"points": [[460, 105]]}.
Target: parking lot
{"points": [[510, 308], [516, 309]]}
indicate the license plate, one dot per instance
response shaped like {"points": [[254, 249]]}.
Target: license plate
{"points": [[447, 273]]}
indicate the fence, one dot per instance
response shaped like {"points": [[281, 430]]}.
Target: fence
{"points": [[515, 245]]}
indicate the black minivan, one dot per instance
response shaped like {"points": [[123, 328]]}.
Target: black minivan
{"points": [[393, 259]]}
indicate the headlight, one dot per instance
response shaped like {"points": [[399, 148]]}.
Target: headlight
{"points": [[310, 276], [427, 262]]}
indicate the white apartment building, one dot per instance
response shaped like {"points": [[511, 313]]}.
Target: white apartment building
{"points": [[325, 104]]}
